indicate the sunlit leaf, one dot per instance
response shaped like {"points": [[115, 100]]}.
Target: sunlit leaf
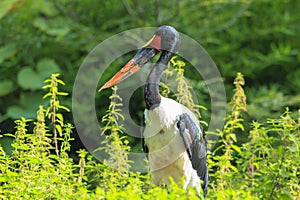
{"points": [[293, 149], [293, 138], [59, 129], [64, 108], [236, 148], [60, 117], [233, 137], [47, 95], [62, 93], [60, 82], [233, 168]]}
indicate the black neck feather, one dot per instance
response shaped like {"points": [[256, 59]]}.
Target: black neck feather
{"points": [[151, 94]]}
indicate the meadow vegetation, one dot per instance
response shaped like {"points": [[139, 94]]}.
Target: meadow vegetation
{"points": [[255, 45], [266, 166]]}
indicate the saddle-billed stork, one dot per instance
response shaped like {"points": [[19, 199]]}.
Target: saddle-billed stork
{"points": [[173, 139]]}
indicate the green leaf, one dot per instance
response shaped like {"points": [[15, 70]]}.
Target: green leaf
{"points": [[6, 86], [47, 86], [27, 107], [293, 138], [233, 168], [60, 82], [60, 117], [236, 148], [46, 67], [15, 112], [64, 108], [53, 156], [59, 129], [29, 79], [4, 179], [239, 125], [62, 93], [53, 27], [7, 51], [40, 23], [61, 31], [31, 100], [293, 149], [10, 135], [11, 173], [47, 95], [233, 136], [6, 6], [45, 7]]}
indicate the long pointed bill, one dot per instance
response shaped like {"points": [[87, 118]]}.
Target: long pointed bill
{"points": [[121, 75], [141, 58]]}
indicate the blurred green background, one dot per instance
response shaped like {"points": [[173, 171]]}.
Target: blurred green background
{"points": [[259, 38]]}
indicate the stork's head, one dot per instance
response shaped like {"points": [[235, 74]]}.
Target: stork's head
{"points": [[165, 38]]}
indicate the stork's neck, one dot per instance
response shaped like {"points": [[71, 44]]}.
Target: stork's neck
{"points": [[152, 95]]}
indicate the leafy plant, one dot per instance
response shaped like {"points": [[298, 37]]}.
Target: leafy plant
{"points": [[32, 171], [264, 166], [55, 36], [57, 119], [224, 153]]}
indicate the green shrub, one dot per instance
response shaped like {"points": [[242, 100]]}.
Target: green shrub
{"points": [[55, 37], [266, 166]]}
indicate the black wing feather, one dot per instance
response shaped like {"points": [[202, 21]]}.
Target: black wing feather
{"points": [[196, 146], [145, 147]]}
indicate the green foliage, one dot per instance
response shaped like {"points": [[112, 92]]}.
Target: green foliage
{"points": [[237, 35], [257, 160], [52, 113], [32, 171], [45, 67], [39, 169], [226, 170], [183, 92], [184, 96], [115, 146], [266, 166]]}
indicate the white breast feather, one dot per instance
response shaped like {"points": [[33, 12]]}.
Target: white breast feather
{"points": [[167, 154]]}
